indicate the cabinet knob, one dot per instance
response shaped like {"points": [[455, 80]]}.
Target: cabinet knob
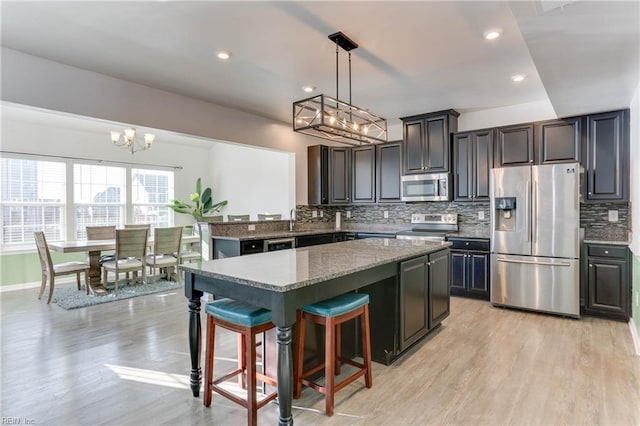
{"points": [[467, 243], [606, 252], [590, 265]]}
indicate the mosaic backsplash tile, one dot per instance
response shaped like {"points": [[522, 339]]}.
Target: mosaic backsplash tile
{"points": [[593, 217]]}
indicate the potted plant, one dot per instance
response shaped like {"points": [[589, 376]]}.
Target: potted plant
{"points": [[202, 203]]}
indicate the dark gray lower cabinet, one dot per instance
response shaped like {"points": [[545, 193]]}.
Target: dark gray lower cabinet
{"points": [[414, 300], [404, 309], [438, 287], [424, 295], [608, 286], [470, 268]]}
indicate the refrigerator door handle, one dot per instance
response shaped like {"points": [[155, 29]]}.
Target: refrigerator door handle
{"points": [[534, 210], [527, 209], [529, 262]]}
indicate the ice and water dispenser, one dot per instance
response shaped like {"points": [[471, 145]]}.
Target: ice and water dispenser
{"points": [[505, 215]]}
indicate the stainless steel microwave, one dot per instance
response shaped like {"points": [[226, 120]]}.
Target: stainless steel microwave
{"points": [[427, 187]]}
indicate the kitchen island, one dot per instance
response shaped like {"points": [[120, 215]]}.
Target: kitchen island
{"points": [[283, 281]]}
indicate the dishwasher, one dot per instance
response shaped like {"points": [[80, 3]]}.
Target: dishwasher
{"points": [[279, 244]]}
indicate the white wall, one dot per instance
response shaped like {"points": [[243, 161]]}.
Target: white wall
{"points": [[635, 171], [513, 114], [38, 82], [253, 180]]}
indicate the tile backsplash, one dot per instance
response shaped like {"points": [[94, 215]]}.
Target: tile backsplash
{"points": [[593, 216]]}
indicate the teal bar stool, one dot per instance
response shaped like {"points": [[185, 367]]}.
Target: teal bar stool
{"points": [[332, 313], [247, 321]]}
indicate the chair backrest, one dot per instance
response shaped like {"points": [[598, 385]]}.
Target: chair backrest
{"points": [[43, 253], [217, 218], [167, 240], [131, 242], [238, 217], [269, 216], [137, 226], [101, 232]]}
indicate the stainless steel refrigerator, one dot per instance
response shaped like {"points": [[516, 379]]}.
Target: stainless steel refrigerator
{"points": [[535, 238]]}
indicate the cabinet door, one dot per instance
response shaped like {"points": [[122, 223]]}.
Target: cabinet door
{"points": [[608, 286], [479, 273], [463, 167], [389, 169], [558, 141], [414, 300], [482, 163], [413, 146], [458, 271], [363, 174], [607, 156], [514, 145], [318, 174], [437, 139], [439, 279], [339, 175]]}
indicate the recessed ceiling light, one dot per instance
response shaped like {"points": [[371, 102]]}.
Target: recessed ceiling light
{"points": [[308, 89], [224, 55], [517, 78], [492, 34]]}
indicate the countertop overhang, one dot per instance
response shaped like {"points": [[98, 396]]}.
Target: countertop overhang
{"points": [[285, 270]]}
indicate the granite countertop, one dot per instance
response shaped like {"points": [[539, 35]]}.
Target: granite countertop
{"points": [[610, 242], [285, 270], [265, 235]]}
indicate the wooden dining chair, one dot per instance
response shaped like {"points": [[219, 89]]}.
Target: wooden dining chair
{"points": [[131, 251], [166, 249], [50, 270]]}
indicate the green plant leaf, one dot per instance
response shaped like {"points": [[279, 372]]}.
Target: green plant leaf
{"points": [[199, 186]]}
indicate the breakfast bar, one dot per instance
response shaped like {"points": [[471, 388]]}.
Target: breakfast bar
{"points": [[283, 281]]}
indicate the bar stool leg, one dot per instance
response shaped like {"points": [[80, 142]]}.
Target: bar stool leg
{"points": [[330, 378], [242, 359], [338, 350], [297, 386], [208, 366], [252, 402], [366, 346]]}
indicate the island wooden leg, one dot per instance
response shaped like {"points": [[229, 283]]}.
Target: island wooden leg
{"points": [[285, 374], [195, 340]]}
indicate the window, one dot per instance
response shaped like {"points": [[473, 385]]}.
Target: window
{"points": [[63, 197], [33, 198], [99, 196], [151, 191]]}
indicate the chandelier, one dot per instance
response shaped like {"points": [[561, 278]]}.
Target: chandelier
{"points": [[330, 118], [131, 141]]}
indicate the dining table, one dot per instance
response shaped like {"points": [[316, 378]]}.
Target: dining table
{"points": [[95, 248], [284, 281]]}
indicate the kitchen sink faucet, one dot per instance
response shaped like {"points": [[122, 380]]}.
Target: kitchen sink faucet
{"points": [[292, 219]]}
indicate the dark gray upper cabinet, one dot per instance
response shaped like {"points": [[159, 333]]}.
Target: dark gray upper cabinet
{"points": [[559, 141], [363, 174], [318, 174], [514, 145], [427, 141], [472, 161], [607, 156], [339, 175], [389, 169]]}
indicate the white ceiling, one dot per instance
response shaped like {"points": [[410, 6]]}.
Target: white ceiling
{"points": [[413, 57]]}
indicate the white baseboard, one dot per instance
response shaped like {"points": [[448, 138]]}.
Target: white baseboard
{"points": [[634, 336], [35, 284]]}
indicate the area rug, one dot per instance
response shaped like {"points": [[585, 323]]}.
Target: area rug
{"points": [[69, 297]]}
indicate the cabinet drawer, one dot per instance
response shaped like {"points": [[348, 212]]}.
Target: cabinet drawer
{"points": [[606, 251], [249, 247], [464, 244]]}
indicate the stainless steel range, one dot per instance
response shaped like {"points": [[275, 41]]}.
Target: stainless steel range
{"points": [[430, 227]]}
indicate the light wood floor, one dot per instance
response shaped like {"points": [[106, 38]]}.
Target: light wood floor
{"points": [[126, 363]]}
